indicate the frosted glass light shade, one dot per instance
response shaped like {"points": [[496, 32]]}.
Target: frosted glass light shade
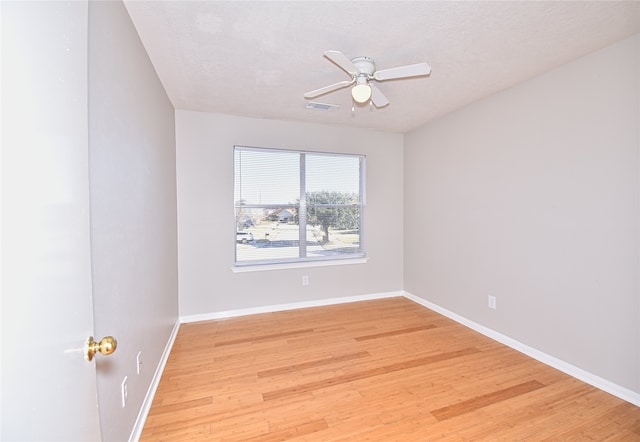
{"points": [[361, 93]]}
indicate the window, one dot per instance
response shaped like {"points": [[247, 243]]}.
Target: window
{"points": [[294, 206]]}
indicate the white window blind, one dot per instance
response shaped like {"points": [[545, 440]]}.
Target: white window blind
{"points": [[293, 206]]}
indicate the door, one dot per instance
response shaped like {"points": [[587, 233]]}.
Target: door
{"points": [[48, 388]]}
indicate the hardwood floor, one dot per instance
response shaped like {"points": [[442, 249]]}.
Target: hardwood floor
{"points": [[384, 370]]}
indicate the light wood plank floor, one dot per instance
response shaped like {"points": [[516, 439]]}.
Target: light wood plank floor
{"points": [[384, 370]]}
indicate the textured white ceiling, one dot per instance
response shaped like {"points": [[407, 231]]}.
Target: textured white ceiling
{"points": [[258, 58]]}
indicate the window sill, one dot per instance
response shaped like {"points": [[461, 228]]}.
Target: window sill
{"points": [[298, 265]]}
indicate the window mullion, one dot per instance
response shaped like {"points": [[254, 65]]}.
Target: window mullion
{"points": [[302, 210]]}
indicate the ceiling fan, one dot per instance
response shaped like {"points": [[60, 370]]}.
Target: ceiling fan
{"points": [[363, 73]]}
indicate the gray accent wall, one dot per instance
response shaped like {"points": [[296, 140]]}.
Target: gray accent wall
{"points": [[133, 212], [532, 195], [206, 224]]}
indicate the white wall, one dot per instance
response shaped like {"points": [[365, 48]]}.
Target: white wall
{"points": [[133, 212], [206, 217], [532, 195]]}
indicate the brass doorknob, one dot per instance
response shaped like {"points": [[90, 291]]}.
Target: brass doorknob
{"points": [[106, 346]]}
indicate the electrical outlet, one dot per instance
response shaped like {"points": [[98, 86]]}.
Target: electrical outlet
{"points": [[139, 362], [124, 390], [492, 302], [305, 280]]}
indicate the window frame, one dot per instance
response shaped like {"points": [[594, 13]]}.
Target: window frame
{"points": [[303, 259]]}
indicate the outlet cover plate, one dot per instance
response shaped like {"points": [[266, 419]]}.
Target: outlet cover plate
{"points": [[124, 390], [139, 362]]}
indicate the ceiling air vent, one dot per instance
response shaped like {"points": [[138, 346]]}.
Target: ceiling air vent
{"points": [[322, 106]]}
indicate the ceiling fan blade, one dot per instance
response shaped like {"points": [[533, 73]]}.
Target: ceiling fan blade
{"points": [[377, 97], [327, 89], [342, 61], [412, 70]]}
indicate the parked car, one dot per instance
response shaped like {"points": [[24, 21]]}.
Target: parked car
{"points": [[244, 237]]}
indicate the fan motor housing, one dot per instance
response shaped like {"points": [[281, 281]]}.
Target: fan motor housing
{"points": [[365, 65]]}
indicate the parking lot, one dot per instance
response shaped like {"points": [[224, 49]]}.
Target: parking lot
{"points": [[276, 240]]}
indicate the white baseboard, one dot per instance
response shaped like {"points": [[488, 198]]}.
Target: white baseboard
{"points": [[282, 307], [571, 370], [155, 381]]}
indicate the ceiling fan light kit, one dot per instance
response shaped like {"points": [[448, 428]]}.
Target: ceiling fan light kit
{"points": [[363, 73], [361, 93]]}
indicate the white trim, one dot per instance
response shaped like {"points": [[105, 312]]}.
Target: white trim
{"points": [[155, 381], [576, 372], [282, 307], [298, 265]]}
